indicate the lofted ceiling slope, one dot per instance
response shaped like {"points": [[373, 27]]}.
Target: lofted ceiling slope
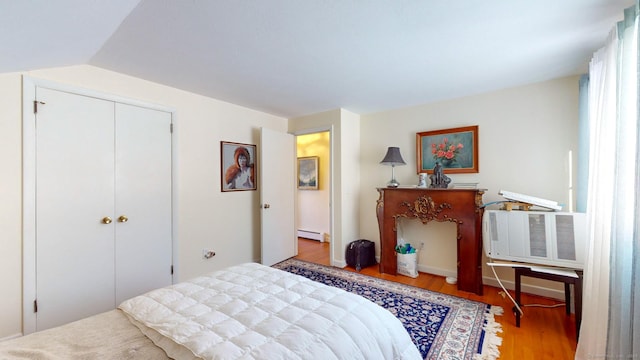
{"points": [[298, 57]]}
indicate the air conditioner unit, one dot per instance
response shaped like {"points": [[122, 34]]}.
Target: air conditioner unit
{"points": [[536, 237]]}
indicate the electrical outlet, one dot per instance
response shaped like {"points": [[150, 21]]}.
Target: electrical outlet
{"points": [[208, 254]]}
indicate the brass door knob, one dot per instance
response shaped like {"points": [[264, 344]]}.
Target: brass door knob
{"points": [[106, 220], [123, 219]]}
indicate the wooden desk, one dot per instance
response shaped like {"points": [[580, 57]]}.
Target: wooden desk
{"points": [[577, 291], [462, 207]]}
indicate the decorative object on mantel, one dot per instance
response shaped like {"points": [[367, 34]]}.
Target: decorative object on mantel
{"points": [[438, 179], [393, 158], [422, 180], [455, 149]]}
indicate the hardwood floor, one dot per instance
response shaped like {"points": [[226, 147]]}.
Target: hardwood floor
{"points": [[544, 333]]}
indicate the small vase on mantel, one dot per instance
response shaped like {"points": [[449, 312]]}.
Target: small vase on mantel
{"points": [[422, 180], [447, 162]]}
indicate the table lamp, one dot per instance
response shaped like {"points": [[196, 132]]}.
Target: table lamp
{"points": [[393, 158]]}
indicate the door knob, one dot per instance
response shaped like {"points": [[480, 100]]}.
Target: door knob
{"points": [[106, 220], [266, 206], [123, 219]]}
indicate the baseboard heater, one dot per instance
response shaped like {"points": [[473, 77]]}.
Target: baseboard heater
{"points": [[313, 235]]}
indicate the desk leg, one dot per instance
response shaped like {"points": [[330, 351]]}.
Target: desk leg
{"points": [[577, 289], [567, 298], [518, 284]]}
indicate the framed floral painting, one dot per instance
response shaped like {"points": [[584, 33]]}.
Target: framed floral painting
{"points": [[456, 150]]}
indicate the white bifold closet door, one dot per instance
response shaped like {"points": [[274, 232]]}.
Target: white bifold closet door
{"points": [[103, 204], [143, 195]]}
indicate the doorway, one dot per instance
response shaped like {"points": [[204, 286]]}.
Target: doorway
{"points": [[313, 209]]}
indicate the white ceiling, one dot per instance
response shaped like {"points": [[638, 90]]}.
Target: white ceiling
{"points": [[299, 57]]}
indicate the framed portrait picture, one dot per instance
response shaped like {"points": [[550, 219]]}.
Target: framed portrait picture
{"points": [[308, 173], [238, 166], [456, 150]]}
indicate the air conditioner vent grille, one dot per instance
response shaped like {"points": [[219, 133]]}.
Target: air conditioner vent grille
{"points": [[566, 237], [537, 236]]}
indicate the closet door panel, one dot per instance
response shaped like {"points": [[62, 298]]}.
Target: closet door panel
{"points": [[74, 187], [143, 196]]}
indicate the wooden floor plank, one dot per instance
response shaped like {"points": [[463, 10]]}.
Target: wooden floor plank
{"points": [[544, 333]]}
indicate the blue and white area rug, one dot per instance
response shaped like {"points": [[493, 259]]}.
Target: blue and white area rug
{"points": [[442, 326]]}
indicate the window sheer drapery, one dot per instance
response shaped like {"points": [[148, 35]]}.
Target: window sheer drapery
{"points": [[611, 307]]}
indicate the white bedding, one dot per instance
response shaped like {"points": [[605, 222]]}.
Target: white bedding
{"points": [[106, 336], [253, 311]]}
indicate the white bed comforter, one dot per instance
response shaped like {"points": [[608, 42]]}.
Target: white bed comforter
{"points": [[252, 311]]}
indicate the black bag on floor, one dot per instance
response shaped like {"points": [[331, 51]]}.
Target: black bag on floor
{"points": [[361, 253]]}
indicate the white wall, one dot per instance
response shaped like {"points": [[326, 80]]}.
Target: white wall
{"points": [[226, 222], [313, 205], [525, 135], [10, 205], [350, 186]]}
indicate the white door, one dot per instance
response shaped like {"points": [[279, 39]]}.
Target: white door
{"points": [[143, 200], [74, 187], [277, 190]]}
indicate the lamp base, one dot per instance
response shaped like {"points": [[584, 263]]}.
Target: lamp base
{"points": [[393, 183]]}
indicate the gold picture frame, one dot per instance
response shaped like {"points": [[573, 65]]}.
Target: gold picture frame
{"points": [[456, 150]]}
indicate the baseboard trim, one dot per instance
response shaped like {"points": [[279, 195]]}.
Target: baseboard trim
{"points": [[529, 289], [486, 280], [312, 235], [340, 264], [491, 281], [14, 336]]}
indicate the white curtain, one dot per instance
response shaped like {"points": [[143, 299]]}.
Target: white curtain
{"points": [[611, 307]]}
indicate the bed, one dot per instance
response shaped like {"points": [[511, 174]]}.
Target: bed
{"points": [[249, 311]]}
